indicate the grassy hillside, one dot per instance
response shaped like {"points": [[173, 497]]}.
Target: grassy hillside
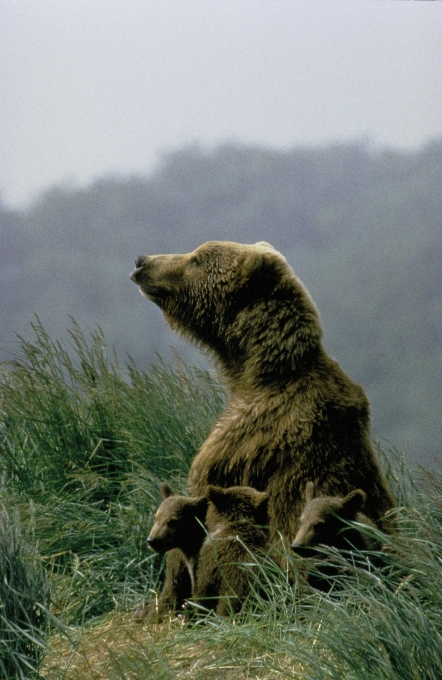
{"points": [[84, 442]]}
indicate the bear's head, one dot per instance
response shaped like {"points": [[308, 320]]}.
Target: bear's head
{"points": [[236, 504], [196, 288], [241, 301], [178, 523], [323, 520]]}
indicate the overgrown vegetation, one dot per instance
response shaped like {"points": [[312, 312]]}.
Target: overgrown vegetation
{"points": [[84, 443], [24, 600]]}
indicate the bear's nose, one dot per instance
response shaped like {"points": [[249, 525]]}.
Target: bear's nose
{"points": [[140, 261], [154, 543]]}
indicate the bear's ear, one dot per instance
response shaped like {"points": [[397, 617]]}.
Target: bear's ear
{"points": [[200, 507], [259, 497], [166, 491], [309, 492], [261, 505], [248, 265], [353, 502], [261, 268], [264, 244], [216, 494]]}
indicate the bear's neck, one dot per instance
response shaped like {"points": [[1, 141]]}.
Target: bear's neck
{"points": [[193, 540], [270, 345]]}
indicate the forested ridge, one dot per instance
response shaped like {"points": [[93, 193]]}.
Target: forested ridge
{"points": [[361, 227]]}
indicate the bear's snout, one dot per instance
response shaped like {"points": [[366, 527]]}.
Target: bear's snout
{"points": [[156, 544], [140, 263]]}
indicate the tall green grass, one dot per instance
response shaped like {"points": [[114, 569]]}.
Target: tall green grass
{"points": [[24, 600], [376, 623], [83, 445], [73, 419]]}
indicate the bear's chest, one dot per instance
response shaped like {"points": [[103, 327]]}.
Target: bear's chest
{"points": [[248, 443]]}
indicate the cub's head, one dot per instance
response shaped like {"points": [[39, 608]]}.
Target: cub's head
{"points": [[237, 503], [178, 522], [323, 519]]}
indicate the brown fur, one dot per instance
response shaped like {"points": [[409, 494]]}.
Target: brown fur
{"points": [[222, 584], [324, 521], [293, 414], [179, 523]]}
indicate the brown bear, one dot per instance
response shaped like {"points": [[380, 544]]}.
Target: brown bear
{"points": [[237, 524], [325, 522], [179, 523], [293, 414]]}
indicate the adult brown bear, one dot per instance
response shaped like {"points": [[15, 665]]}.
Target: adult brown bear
{"points": [[293, 414]]}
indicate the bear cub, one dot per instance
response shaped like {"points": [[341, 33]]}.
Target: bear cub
{"points": [[324, 522], [237, 522], [179, 524]]}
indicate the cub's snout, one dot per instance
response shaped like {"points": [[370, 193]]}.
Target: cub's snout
{"points": [[157, 544]]}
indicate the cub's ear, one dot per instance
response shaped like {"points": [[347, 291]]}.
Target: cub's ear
{"points": [[353, 502], [200, 508], [259, 497], [216, 494], [309, 492], [166, 491], [261, 505]]}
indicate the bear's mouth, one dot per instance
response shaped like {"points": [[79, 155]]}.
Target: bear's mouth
{"points": [[147, 288], [157, 545], [136, 274]]}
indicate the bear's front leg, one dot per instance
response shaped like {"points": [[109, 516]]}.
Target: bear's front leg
{"points": [[177, 588]]}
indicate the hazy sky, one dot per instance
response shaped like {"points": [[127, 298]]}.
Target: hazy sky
{"points": [[89, 87]]}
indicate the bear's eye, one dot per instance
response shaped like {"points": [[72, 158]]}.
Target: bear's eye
{"points": [[194, 261], [173, 522]]}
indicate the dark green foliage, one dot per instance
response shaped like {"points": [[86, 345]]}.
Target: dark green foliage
{"points": [[24, 598], [73, 421], [87, 442]]}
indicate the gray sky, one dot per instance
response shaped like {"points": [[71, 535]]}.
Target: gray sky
{"points": [[89, 87]]}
